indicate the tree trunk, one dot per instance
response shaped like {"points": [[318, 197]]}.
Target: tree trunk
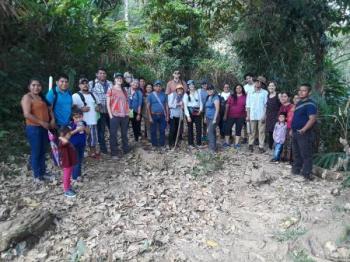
{"points": [[23, 227]]}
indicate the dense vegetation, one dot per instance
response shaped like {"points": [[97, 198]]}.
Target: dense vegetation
{"points": [[289, 41]]}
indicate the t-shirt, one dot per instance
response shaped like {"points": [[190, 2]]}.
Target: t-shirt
{"points": [[302, 111], [249, 88], [63, 107], [236, 110], [78, 139], [118, 102], [210, 106], [171, 86], [279, 133], [203, 93], [90, 117], [225, 95], [154, 104]]}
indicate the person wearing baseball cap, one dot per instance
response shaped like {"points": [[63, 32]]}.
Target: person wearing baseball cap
{"points": [[256, 113], [203, 94], [158, 114]]}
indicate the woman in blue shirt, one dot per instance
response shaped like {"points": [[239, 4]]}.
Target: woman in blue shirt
{"points": [[135, 105], [212, 107]]}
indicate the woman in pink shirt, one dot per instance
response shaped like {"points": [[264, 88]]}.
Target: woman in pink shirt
{"points": [[235, 114]]}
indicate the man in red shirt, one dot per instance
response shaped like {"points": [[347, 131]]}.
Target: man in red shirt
{"points": [[172, 84]]}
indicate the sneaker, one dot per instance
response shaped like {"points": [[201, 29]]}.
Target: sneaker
{"points": [[237, 146], [256, 142], [295, 172], [261, 150], [251, 148], [273, 160], [114, 157], [70, 193], [225, 145], [38, 181], [308, 177]]}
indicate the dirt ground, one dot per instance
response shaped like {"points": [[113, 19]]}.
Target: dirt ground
{"points": [[162, 206]]}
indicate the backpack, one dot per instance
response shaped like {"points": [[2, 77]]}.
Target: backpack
{"points": [[83, 98], [55, 96], [222, 104]]}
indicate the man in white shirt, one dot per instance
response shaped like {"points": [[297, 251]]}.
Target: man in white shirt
{"points": [[256, 113], [90, 105], [249, 86]]}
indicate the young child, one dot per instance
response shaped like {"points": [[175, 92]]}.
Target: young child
{"points": [[68, 159], [79, 131], [279, 136]]}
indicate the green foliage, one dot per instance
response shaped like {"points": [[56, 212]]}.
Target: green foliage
{"points": [[207, 163], [290, 234], [328, 160], [300, 256]]}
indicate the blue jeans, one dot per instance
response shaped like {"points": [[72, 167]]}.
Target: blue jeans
{"points": [[159, 123], [211, 134], [77, 168], [38, 140], [277, 152]]}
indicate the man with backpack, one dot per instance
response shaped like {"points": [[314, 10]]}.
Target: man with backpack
{"points": [[90, 106], [99, 88], [60, 98]]}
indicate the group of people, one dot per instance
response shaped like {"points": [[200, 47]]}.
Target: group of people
{"points": [[83, 118]]}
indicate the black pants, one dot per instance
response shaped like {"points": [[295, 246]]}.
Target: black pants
{"points": [[119, 124], [197, 121], [136, 126], [101, 129], [270, 139], [302, 152], [239, 122], [222, 126], [174, 126]]}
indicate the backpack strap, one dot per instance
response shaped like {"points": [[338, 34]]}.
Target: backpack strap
{"points": [[55, 97], [82, 98]]}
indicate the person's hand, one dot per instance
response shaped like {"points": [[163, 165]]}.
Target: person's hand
{"points": [[167, 119], [110, 116], [290, 133], [263, 120], [205, 120], [45, 125], [225, 118], [151, 120], [301, 131], [138, 117], [85, 109], [214, 122], [80, 129], [97, 108], [247, 118], [189, 119], [52, 124]]}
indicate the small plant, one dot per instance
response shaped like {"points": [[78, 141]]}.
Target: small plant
{"points": [[300, 256], [345, 237], [290, 234], [207, 163]]}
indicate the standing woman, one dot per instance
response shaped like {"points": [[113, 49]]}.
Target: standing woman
{"points": [[39, 118], [193, 108], [135, 104], [272, 107], [212, 108], [118, 110], [176, 105], [235, 114], [148, 91]]}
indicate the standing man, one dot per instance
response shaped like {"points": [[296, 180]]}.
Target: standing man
{"points": [[99, 88], [172, 84], [60, 98], [249, 86], [90, 106], [303, 135], [158, 114], [256, 113]]}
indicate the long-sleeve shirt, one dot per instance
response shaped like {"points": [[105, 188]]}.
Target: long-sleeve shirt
{"points": [[99, 90], [193, 100], [135, 100], [256, 103], [279, 133], [175, 106]]}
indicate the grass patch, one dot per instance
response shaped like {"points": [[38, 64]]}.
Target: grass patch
{"points": [[300, 256], [345, 237], [207, 163], [290, 234]]}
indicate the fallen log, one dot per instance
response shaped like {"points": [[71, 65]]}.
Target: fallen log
{"points": [[24, 227], [327, 174]]}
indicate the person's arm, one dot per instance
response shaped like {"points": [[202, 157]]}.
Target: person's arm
{"points": [[187, 113], [247, 106], [309, 124], [200, 102], [108, 101], [26, 106], [226, 111], [166, 110], [78, 103], [217, 109], [264, 108], [148, 106], [52, 117]]}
